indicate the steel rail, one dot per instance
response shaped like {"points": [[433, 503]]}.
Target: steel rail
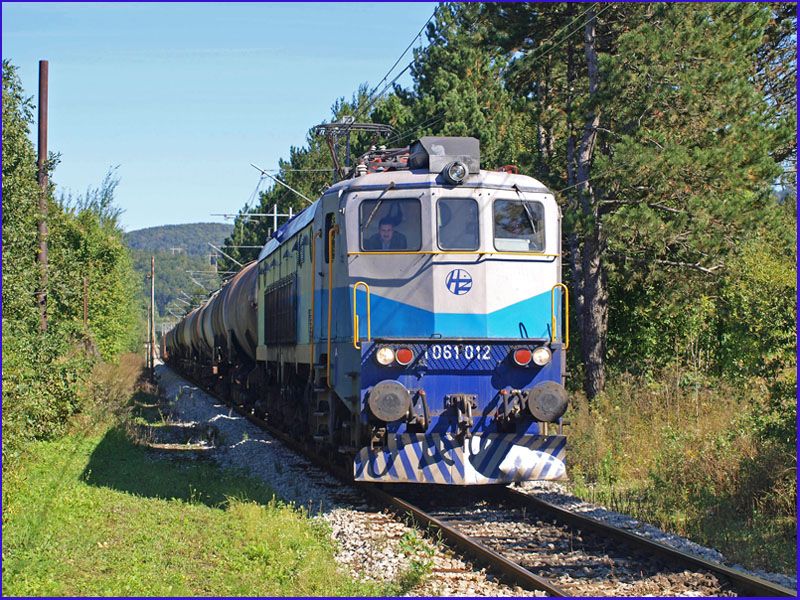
{"points": [[516, 573], [513, 571], [752, 584]]}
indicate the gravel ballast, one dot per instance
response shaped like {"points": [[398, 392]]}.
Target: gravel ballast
{"points": [[371, 544], [556, 493]]}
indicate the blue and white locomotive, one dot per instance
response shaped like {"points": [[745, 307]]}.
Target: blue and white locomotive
{"points": [[410, 321]]}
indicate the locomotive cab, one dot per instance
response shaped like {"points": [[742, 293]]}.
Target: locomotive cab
{"points": [[453, 284], [409, 321]]}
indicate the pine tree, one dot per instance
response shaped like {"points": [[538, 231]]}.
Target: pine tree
{"points": [[459, 90], [656, 120]]}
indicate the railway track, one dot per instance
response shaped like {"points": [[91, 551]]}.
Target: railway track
{"points": [[541, 546], [569, 554]]}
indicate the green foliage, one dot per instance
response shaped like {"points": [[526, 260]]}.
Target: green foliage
{"points": [[41, 376], [86, 242], [44, 373], [672, 153], [178, 249], [759, 339], [692, 138], [758, 296], [421, 563], [20, 206], [173, 280], [459, 90]]}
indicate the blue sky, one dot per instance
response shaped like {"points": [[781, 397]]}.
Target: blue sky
{"points": [[185, 96]]}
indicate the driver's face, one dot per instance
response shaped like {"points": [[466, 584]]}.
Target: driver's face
{"points": [[386, 232]]}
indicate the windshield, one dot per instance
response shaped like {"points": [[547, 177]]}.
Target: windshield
{"points": [[388, 225], [518, 226], [457, 223]]}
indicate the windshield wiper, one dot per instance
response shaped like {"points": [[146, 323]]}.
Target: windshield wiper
{"points": [[530, 216], [378, 205]]}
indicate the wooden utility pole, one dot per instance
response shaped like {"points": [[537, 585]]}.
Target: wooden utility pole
{"points": [[41, 257], [152, 316]]}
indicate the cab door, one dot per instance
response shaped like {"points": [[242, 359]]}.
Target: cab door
{"points": [[327, 229]]}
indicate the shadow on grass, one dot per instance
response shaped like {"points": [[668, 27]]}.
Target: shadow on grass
{"points": [[146, 406], [118, 463]]}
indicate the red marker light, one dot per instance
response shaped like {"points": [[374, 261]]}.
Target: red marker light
{"points": [[522, 356], [404, 356]]}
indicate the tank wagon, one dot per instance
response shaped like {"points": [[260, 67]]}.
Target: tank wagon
{"points": [[409, 321]]}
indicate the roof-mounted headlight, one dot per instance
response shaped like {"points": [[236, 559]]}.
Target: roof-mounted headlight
{"points": [[456, 172]]}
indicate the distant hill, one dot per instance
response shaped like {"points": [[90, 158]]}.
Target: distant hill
{"points": [[192, 238], [185, 271]]}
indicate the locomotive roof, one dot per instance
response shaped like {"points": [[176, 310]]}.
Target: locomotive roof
{"points": [[403, 179], [422, 178]]}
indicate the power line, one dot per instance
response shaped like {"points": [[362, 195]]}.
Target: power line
{"points": [[285, 170], [225, 254], [255, 191], [359, 110], [430, 122], [435, 120], [562, 28], [372, 98], [590, 178], [286, 185], [386, 87]]}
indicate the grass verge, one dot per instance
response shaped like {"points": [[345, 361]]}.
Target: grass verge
{"points": [[93, 513]]}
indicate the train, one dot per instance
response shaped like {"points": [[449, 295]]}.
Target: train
{"points": [[411, 322]]}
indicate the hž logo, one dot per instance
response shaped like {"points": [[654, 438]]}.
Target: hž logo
{"points": [[458, 282]]}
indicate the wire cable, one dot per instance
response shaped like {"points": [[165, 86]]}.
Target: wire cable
{"points": [[359, 110], [376, 98], [430, 122], [561, 29]]}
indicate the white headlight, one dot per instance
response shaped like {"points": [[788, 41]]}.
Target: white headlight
{"points": [[456, 172], [542, 356], [384, 356]]}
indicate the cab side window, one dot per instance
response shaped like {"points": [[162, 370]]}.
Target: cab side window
{"points": [[330, 222]]}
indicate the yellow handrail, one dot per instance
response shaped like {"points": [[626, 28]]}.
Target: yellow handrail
{"points": [[331, 232], [314, 237], [356, 331], [566, 313]]}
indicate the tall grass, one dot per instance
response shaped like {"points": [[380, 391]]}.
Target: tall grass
{"points": [[686, 454]]}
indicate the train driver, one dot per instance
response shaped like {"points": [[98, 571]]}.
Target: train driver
{"points": [[386, 238]]}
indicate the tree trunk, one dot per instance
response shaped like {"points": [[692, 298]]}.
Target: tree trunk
{"points": [[573, 202], [594, 290], [594, 324]]}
